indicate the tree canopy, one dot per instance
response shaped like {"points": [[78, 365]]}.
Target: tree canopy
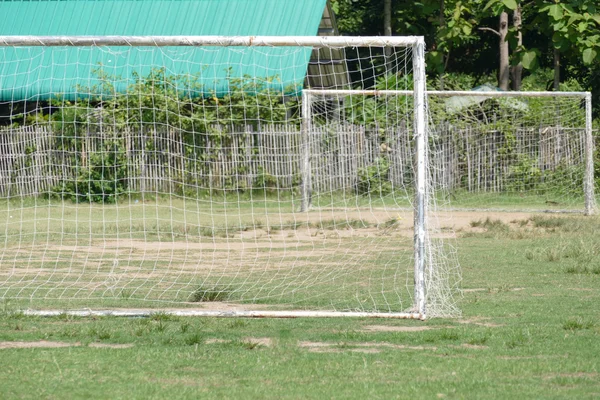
{"points": [[555, 42]]}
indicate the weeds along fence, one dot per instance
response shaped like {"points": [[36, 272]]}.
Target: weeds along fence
{"points": [[479, 160], [37, 159]]}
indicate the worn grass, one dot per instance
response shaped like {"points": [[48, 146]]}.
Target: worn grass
{"points": [[530, 329]]}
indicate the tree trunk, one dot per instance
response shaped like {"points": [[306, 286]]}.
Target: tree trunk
{"points": [[556, 64], [517, 70], [503, 71], [445, 57], [387, 22], [387, 17]]}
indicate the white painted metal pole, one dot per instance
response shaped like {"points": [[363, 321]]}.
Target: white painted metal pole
{"points": [[224, 314], [161, 41], [590, 196], [305, 168], [443, 93], [449, 93], [420, 132]]}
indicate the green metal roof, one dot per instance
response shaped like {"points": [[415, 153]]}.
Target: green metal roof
{"points": [[41, 73]]}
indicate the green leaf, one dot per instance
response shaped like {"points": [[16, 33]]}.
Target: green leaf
{"points": [[596, 17], [567, 7], [582, 27], [573, 18], [511, 38], [335, 6], [510, 4], [555, 11], [436, 59], [489, 4], [560, 42], [529, 59], [589, 56]]}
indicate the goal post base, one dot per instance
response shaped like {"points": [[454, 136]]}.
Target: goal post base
{"points": [[142, 313]]}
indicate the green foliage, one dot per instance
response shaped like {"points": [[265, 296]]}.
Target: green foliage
{"points": [[458, 37], [455, 30], [524, 174], [373, 179], [211, 294], [264, 180], [92, 130], [181, 101], [376, 111], [566, 180], [460, 81], [575, 26], [579, 323], [99, 179]]}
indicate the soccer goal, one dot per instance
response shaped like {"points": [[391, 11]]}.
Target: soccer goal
{"points": [[514, 151], [220, 176], [488, 150]]}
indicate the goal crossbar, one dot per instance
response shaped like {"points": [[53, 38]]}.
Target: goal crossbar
{"points": [[221, 41], [445, 93]]}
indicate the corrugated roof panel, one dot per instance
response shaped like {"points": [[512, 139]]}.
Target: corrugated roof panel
{"points": [[27, 73]]}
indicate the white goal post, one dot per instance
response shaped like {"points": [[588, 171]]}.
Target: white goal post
{"points": [[126, 183]]}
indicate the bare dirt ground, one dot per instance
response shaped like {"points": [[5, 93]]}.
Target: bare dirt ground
{"points": [[364, 347], [254, 341], [46, 344], [389, 328], [400, 224], [296, 244]]}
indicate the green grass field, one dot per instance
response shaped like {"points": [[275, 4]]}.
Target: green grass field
{"points": [[530, 329]]}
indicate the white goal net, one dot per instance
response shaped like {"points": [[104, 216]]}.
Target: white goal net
{"points": [[215, 174], [514, 151]]}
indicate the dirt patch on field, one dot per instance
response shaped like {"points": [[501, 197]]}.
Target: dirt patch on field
{"points": [[216, 341], [341, 350], [363, 347], [46, 344], [266, 342], [387, 328], [479, 322], [41, 344], [111, 345], [472, 346], [461, 220], [538, 357]]}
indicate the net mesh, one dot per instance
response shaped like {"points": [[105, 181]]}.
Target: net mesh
{"points": [[135, 177], [521, 153]]}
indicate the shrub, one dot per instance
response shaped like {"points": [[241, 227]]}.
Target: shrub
{"points": [[99, 179], [374, 179]]}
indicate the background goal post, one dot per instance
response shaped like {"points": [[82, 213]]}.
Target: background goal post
{"points": [[543, 142], [503, 151], [156, 171]]}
